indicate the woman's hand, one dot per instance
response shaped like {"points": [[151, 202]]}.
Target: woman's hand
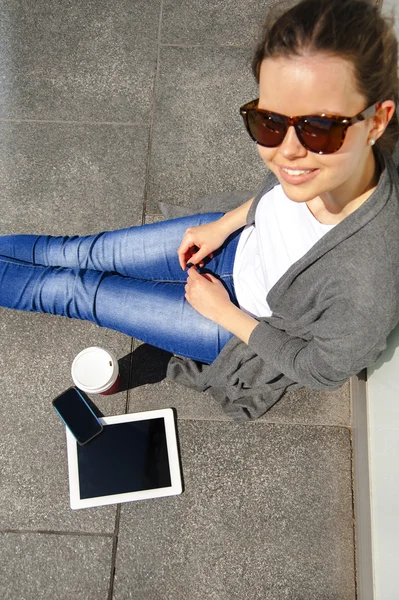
{"points": [[209, 297], [199, 242], [206, 294]]}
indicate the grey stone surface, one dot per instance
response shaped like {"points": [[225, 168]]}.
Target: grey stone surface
{"points": [[61, 179], [228, 23], [35, 360], [199, 144], [78, 61], [266, 514], [314, 407], [49, 567]]}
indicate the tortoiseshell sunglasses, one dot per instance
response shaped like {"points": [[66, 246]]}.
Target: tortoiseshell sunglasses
{"points": [[322, 134]]}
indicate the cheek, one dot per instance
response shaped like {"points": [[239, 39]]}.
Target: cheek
{"points": [[337, 167], [266, 154], [353, 148], [344, 162]]}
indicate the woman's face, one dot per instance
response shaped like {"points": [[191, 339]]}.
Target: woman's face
{"points": [[311, 85]]}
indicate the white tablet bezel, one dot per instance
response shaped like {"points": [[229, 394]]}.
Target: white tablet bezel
{"points": [[174, 465]]}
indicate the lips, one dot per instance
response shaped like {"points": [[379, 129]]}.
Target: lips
{"points": [[303, 175]]}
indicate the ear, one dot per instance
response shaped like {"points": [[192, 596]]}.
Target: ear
{"points": [[384, 114]]}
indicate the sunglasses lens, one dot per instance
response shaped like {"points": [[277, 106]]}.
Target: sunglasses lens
{"points": [[267, 129], [321, 135]]}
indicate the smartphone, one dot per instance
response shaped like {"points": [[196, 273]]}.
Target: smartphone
{"points": [[75, 411]]}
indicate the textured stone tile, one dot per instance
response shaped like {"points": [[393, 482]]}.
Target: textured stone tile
{"points": [[62, 179], [266, 514], [227, 23], [78, 61], [313, 407], [56, 567], [200, 146], [35, 360]]}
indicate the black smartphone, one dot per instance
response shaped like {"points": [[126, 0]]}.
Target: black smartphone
{"points": [[76, 413]]}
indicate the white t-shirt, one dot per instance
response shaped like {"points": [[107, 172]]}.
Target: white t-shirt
{"points": [[284, 231]]}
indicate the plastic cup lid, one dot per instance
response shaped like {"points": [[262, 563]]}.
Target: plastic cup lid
{"points": [[94, 369]]}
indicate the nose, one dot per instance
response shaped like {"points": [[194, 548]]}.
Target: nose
{"points": [[291, 147]]}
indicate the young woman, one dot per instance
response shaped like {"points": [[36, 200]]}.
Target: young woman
{"points": [[296, 287]]}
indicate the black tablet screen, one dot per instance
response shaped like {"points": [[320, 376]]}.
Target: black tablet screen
{"points": [[125, 457]]}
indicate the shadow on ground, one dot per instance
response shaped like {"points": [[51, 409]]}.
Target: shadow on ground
{"points": [[146, 364]]}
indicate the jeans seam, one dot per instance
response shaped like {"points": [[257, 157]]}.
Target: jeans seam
{"points": [[33, 249], [177, 281], [21, 263]]}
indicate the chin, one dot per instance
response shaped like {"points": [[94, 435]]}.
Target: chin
{"points": [[298, 193]]}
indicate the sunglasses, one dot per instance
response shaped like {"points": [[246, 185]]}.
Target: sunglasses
{"points": [[322, 134]]}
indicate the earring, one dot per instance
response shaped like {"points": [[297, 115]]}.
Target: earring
{"points": [[372, 142]]}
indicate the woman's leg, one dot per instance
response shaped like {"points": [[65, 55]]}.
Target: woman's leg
{"points": [[53, 290], [154, 311], [144, 252], [159, 314]]}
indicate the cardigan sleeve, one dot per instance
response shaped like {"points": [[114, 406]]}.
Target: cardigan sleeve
{"points": [[345, 341], [294, 357]]}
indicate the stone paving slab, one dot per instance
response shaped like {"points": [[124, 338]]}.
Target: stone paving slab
{"points": [[199, 145], [266, 514], [228, 23], [49, 567], [62, 180], [78, 61], [314, 407], [37, 353]]}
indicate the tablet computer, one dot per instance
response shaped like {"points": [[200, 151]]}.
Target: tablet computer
{"points": [[135, 457]]}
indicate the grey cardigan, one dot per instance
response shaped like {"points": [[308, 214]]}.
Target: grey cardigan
{"points": [[331, 312]]}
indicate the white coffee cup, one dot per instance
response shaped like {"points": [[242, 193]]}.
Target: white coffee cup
{"points": [[96, 371]]}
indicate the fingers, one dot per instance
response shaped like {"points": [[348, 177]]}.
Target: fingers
{"points": [[194, 275], [184, 253], [193, 248], [210, 277], [206, 294], [192, 256], [193, 279]]}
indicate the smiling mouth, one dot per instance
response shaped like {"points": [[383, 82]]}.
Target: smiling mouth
{"points": [[297, 171], [297, 176]]}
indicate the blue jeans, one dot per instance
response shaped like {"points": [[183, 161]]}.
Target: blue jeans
{"points": [[129, 280]]}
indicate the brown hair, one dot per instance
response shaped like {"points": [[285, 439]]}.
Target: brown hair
{"points": [[352, 29]]}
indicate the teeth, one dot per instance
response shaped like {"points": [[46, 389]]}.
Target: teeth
{"points": [[292, 172]]}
